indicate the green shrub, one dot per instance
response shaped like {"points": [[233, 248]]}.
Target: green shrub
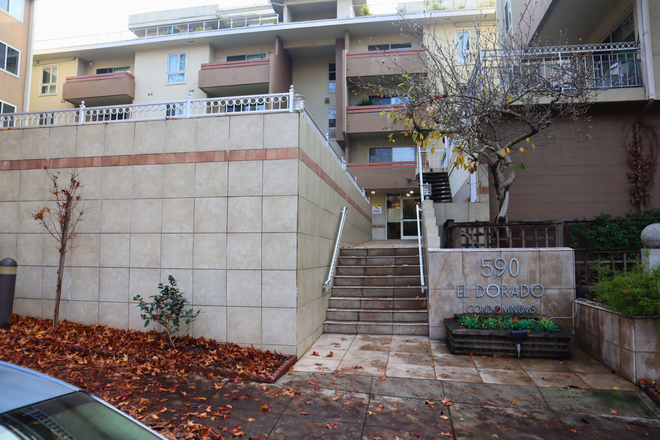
{"points": [[364, 11], [632, 293], [167, 309], [605, 233], [507, 322], [365, 101]]}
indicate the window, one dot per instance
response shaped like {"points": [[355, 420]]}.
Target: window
{"points": [[49, 80], [7, 108], [255, 56], [467, 46], [392, 154], [113, 69], [9, 58], [507, 17], [388, 46], [13, 8], [332, 77], [385, 100], [332, 123], [176, 68]]}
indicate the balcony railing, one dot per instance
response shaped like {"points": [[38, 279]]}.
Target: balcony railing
{"points": [[608, 65], [187, 108], [208, 25], [395, 7]]}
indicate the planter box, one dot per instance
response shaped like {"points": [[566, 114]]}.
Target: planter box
{"points": [[628, 345], [490, 342]]}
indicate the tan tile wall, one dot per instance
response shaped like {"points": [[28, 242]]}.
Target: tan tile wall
{"points": [[447, 268], [232, 233], [318, 222], [630, 346]]}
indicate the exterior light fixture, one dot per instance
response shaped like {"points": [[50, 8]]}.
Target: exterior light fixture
{"points": [[373, 192]]}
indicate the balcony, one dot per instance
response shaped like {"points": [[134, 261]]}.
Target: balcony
{"points": [[235, 77], [385, 62], [385, 175], [103, 89], [367, 118], [207, 25]]}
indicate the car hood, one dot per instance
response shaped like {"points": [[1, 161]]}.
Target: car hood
{"points": [[21, 387]]}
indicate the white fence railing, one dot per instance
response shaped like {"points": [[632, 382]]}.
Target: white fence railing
{"points": [[609, 65], [404, 7], [188, 108]]}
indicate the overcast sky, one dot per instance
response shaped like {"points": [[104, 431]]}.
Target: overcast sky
{"points": [[70, 18]]}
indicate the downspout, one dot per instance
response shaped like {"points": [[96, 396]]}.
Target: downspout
{"points": [[646, 47], [30, 60]]}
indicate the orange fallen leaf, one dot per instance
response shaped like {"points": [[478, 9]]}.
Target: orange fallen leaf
{"points": [[629, 428], [446, 401], [495, 436], [444, 417], [575, 431], [264, 407], [382, 378], [332, 426], [615, 412], [329, 355], [304, 413], [569, 376], [446, 434], [513, 400]]}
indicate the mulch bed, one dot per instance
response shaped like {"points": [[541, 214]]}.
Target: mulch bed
{"points": [[198, 355]]}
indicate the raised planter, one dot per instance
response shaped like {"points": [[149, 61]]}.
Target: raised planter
{"points": [[489, 342], [628, 345]]}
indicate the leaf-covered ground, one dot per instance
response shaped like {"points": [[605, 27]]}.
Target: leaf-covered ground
{"points": [[134, 371]]}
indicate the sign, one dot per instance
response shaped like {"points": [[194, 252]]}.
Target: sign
{"points": [[496, 268], [377, 209]]}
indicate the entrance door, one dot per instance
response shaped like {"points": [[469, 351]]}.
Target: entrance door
{"points": [[401, 216]]}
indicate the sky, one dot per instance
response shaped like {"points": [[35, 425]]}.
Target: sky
{"points": [[72, 18]]}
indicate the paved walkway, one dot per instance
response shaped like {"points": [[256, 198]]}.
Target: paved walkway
{"points": [[340, 402], [417, 357]]}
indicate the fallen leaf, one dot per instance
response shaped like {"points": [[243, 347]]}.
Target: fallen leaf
{"points": [[444, 417], [575, 431], [630, 429], [329, 355], [251, 419], [304, 413], [513, 401], [309, 403], [382, 378], [488, 403], [446, 401], [444, 376], [332, 426], [264, 407], [379, 408], [495, 436], [615, 412], [429, 403], [446, 434], [414, 409], [315, 354], [347, 402], [416, 435], [371, 413], [569, 376]]}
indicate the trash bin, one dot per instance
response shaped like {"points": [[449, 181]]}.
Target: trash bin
{"points": [[7, 285]]}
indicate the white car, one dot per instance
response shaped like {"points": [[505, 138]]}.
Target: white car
{"points": [[34, 406]]}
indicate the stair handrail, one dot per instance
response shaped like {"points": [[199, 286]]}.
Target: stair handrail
{"points": [[419, 244], [328, 282]]}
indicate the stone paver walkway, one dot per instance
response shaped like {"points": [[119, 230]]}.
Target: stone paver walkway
{"points": [[417, 357]]}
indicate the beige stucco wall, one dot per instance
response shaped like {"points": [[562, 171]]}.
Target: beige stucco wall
{"points": [[16, 33], [235, 234], [66, 67], [552, 268], [221, 53], [151, 74]]}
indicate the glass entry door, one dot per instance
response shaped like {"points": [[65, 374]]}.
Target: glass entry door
{"points": [[401, 216]]}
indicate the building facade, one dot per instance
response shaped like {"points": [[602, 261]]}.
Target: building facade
{"points": [[16, 35]]}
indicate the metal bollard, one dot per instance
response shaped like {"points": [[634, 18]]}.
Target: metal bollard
{"points": [[7, 285]]}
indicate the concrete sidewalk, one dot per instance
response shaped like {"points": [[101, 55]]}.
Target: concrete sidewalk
{"points": [[311, 406]]}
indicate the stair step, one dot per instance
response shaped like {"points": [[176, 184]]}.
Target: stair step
{"points": [[377, 303], [363, 315], [376, 328], [363, 280], [378, 270], [378, 292], [378, 252], [378, 261]]}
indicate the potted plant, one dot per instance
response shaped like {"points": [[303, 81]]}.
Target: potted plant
{"points": [[364, 10]]}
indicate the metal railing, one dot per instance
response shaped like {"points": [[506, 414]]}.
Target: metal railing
{"points": [[419, 245], [335, 254], [188, 108], [404, 7], [529, 234], [324, 138], [208, 25], [608, 65]]}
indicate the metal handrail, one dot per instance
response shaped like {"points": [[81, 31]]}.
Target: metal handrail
{"points": [[419, 244], [328, 283]]}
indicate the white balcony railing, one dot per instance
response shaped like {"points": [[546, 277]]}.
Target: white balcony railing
{"points": [[609, 65], [188, 108], [410, 7]]}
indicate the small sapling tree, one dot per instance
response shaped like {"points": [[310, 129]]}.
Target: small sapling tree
{"points": [[167, 309], [60, 219]]}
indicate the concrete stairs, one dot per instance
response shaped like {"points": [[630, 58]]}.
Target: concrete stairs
{"points": [[440, 189], [377, 290]]}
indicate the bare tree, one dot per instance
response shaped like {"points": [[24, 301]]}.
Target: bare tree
{"points": [[61, 220], [489, 96]]}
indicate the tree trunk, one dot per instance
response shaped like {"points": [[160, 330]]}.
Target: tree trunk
{"points": [[502, 187], [60, 272]]}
